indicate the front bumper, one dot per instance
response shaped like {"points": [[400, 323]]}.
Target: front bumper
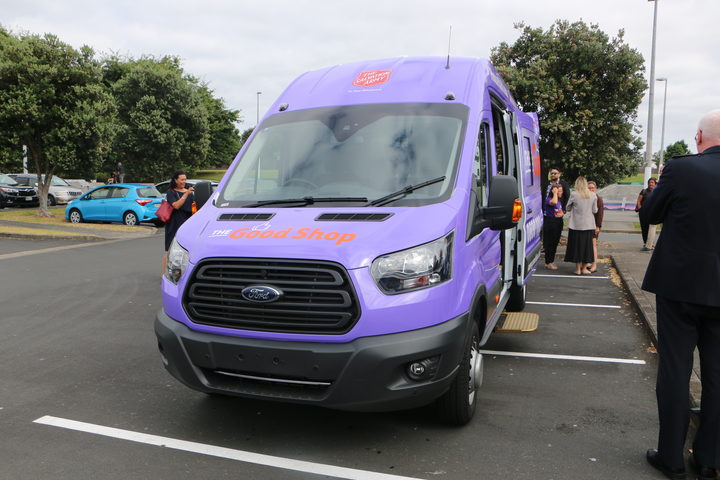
{"points": [[367, 374]]}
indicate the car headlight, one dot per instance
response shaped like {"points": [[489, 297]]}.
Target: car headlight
{"points": [[177, 262], [9, 190], [418, 267]]}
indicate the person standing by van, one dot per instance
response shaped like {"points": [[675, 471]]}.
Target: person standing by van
{"points": [[556, 179], [592, 186], [553, 212], [684, 275], [644, 226], [582, 207], [181, 199]]}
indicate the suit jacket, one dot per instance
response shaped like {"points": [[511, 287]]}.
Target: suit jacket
{"points": [[582, 211], [685, 265]]}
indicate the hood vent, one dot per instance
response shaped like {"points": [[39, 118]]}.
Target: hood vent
{"points": [[245, 217], [353, 217]]}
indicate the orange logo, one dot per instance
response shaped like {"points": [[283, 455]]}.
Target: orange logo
{"points": [[301, 233], [372, 78]]}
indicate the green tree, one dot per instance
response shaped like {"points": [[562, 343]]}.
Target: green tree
{"points": [[224, 135], [586, 89], [677, 148], [163, 121], [53, 101], [245, 135]]}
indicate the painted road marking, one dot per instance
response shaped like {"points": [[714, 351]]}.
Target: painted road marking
{"points": [[570, 276], [572, 304], [565, 357], [222, 452]]}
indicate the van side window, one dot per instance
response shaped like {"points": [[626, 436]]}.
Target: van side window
{"points": [[482, 154], [528, 160], [501, 147]]}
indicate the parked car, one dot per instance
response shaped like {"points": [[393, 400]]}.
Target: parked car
{"points": [[14, 195], [128, 203], [164, 186], [60, 192]]}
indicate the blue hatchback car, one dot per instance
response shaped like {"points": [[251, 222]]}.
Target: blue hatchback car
{"points": [[123, 202]]}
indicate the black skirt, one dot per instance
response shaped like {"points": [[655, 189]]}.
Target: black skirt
{"points": [[579, 246]]}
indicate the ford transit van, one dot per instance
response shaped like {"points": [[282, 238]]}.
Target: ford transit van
{"points": [[363, 244]]}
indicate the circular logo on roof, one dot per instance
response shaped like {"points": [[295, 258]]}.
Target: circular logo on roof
{"points": [[261, 294]]}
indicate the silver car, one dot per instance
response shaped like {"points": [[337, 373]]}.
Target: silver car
{"points": [[60, 193]]}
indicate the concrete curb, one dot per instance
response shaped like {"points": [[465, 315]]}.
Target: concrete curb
{"points": [[45, 236]]}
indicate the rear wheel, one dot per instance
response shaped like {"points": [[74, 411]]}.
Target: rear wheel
{"points": [[516, 302], [75, 216], [457, 405], [130, 218]]}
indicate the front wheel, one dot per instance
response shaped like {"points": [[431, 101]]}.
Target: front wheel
{"points": [[518, 294], [75, 216], [52, 201], [130, 218], [457, 405]]}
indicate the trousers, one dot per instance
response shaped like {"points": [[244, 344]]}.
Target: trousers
{"points": [[682, 327], [552, 231]]}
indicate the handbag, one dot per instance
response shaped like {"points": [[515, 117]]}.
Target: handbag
{"points": [[164, 211]]}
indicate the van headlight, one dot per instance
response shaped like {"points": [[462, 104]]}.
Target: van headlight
{"points": [[418, 267], [177, 262]]}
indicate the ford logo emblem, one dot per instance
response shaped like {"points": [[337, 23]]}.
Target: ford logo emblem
{"points": [[261, 294]]}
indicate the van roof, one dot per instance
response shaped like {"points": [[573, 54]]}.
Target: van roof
{"points": [[392, 80]]}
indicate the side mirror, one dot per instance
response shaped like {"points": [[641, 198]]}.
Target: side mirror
{"points": [[503, 210], [203, 192]]}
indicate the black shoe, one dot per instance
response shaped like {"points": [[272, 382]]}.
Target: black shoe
{"points": [[704, 473], [653, 458]]}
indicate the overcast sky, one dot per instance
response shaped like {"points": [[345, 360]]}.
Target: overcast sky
{"points": [[240, 47]]}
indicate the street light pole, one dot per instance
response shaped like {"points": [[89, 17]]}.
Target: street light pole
{"points": [[257, 121], [662, 136], [651, 99]]}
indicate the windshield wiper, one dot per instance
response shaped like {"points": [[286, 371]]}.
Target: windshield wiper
{"points": [[306, 201], [401, 193]]}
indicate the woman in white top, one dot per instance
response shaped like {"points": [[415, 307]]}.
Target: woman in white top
{"points": [[582, 207]]}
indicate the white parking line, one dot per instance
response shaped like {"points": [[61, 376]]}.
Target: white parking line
{"points": [[222, 452], [565, 357], [56, 249], [571, 276], [572, 304]]}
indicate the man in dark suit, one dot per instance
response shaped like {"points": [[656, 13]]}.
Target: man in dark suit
{"points": [[684, 274]]}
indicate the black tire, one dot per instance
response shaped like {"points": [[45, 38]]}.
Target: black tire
{"points": [[457, 405], [516, 303], [158, 223], [75, 216], [52, 201], [130, 218]]}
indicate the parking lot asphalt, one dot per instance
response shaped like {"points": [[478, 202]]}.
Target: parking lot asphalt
{"points": [[626, 263]]}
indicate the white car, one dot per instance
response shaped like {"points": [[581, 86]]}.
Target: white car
{"points": [[60, 193]]}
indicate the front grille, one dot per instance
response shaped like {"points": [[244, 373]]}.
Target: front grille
{"points": [[22, 193], [74, 194], [317, 298]]}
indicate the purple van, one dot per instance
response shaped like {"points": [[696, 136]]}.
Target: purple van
{"points": [[363, 244]]}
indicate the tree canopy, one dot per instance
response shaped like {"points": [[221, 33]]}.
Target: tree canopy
{"points": [[586, 89], [52, 101], [677, 148]]}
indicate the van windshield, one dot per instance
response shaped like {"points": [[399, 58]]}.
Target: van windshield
{"points": [[351, 151]]}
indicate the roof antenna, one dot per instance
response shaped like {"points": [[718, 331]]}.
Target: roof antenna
{"points": [[447, 65]]}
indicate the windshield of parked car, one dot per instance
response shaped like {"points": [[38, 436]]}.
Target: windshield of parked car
{"points": [[58, 182], [351, 151], [5, 180]]}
